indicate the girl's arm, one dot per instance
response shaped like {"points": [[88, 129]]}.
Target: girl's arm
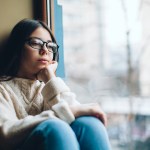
{"points": [[56, 94], [52, 91], [90, 109]]}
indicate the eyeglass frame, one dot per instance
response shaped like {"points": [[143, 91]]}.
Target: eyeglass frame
{"points": [[43, 43]]}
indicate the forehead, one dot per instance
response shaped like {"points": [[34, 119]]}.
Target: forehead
{"points": [[41, 33]]}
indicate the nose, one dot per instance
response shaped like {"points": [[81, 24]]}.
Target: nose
{"points": [[44, 50]]}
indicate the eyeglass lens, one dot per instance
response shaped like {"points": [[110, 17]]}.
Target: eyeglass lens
{"points": [[38, 44]]}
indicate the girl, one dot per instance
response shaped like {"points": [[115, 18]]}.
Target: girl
{"points": [[37, 109]]}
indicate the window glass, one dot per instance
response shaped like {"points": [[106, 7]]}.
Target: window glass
{"points": [[106, 53]]}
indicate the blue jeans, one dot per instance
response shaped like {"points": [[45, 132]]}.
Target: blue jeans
{"points": [[85, 133]]}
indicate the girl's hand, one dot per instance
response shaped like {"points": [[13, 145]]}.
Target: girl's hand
{"points": [[91, 109], [48, 72]]}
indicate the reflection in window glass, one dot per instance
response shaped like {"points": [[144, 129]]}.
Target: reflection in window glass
{"points": [[106, 47]]}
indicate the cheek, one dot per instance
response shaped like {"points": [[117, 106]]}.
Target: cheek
{"points": [[28, 58]]}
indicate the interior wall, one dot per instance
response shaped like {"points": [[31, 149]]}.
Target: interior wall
{"points": [[12, 11]]}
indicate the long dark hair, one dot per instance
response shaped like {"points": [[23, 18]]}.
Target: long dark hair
{"points": [[10, 55]]}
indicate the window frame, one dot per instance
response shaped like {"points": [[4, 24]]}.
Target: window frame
{"points": [[50, 12]]}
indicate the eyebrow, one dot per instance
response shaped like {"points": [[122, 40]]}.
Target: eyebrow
{"points": [[40, 39]]}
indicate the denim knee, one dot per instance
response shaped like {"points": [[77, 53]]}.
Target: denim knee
{"points": [[91, 133], [52, 134], [52, 126], [54, 130], [89, 123]]}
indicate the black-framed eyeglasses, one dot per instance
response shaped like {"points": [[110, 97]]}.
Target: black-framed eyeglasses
{"points": [[38, 44]]}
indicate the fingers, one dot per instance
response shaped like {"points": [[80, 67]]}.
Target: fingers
{"points": [[102, 117], [54, 62], [90, 109], [47, 72], [52, 66], [100, 114], [105, 119]]}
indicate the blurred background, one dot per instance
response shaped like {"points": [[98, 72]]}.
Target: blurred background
{"points": [[107, 60], [106, 50]]}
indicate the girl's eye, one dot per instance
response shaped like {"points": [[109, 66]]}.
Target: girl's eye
{"points": [[35, 42], [49, 46]]}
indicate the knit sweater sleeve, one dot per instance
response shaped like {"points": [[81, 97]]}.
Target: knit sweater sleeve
{"points": [[58, 97], [13, 131]]}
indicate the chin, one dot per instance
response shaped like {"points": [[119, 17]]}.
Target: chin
{"points": [[39, 68]]}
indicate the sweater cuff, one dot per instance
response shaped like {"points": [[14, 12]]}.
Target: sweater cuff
{"points": [[63, 111], [54, 87]]}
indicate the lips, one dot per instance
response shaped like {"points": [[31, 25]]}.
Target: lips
{"points": [[43, 60]]}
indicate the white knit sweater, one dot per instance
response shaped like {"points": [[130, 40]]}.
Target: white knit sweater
{"points": [[26, 103]]}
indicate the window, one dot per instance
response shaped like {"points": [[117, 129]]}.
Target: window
{"points": [[107, 60]]}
